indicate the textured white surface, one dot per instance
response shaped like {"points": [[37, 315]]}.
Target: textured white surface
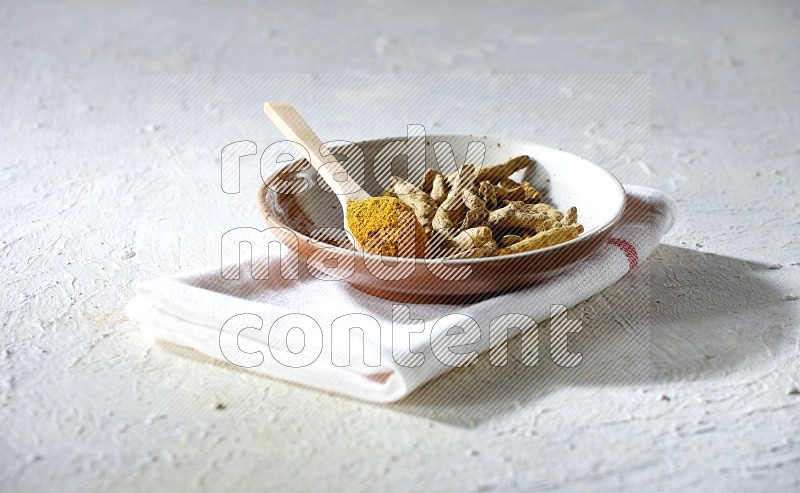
{"points": [[100, 191]]}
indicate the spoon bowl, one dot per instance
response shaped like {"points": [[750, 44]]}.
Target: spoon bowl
{"points": [[374, 224]]}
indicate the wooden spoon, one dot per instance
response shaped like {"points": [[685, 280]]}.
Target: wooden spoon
{"points": [[294, 128]]}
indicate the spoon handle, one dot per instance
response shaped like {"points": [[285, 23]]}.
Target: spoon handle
{"points": [[294, 128]]}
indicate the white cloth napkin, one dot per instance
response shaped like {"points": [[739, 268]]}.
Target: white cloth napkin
{"points": [[191, 309]]}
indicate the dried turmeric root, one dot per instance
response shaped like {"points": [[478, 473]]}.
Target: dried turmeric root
{"points": [[479, 211], [486, 250], [518, 215], [435, 185], [453, 209], [496, 172], [421, 203], [544, 239], [471, 238]]}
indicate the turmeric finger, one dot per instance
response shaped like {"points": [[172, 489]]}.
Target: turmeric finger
{"points": [[427, 180], [433, 183], [475, 217], [421, 204], [496, 172], [471, 238], [452, 209], [482, 251], [551, 211], [544, 239], [439, 188], [571, 216], [508, 240], [508, 190], [487, 192], [472, 200], [515, 215]]}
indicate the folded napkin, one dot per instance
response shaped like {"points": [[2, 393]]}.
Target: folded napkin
{"points": [[249, 322]]}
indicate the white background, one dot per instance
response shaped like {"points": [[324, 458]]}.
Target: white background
{"points": [[102, 186]]}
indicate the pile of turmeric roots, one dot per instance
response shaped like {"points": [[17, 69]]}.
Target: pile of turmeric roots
{"points": [[481, 212]]}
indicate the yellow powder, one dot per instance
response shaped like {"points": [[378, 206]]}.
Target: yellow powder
{"points": [[385, 225]]}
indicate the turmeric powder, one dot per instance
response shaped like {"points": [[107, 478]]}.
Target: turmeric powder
{"points": [[386, 226]]}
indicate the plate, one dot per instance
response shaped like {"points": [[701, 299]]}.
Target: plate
{"points": [[307, 218]]}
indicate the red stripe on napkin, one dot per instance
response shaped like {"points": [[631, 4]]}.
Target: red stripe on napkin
{"points": [[627, 248]]}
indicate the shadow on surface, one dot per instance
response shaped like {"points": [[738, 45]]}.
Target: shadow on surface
{"points": [[678, 316]]}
